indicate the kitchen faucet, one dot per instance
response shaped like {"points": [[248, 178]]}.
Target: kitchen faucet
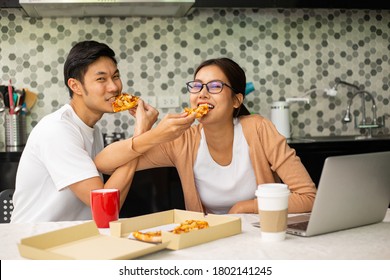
{"points": [[348, 117], [363, 124], [333, 90]]}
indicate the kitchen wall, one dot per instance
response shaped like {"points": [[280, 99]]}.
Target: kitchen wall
{"points": [[285, 52]]}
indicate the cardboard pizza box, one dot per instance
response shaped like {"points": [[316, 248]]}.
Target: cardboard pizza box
{"points": [[220, 226], [83, 242]]}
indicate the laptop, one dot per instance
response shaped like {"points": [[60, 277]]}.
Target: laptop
{"points": [[353, 191]]}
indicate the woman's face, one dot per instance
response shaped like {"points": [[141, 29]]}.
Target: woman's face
{"points": [[221, 105]]}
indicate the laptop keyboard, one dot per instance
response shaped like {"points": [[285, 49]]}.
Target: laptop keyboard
{"points": [[300, 225]]}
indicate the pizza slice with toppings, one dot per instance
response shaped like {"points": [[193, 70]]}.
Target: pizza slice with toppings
{"points": [[155, 236], [200, 111], [189, 225], [124, 102]]}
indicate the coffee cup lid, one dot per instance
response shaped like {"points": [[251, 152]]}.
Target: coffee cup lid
{"points": [[272, 190]]}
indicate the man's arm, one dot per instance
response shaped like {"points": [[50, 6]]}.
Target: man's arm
{"points": [[120, 179]]}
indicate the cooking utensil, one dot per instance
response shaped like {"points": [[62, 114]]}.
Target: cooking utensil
{"points": [[2, 105], [17, 109], [3, 90], [6, 99], [30, 98], [11, 98], [5, 95]]}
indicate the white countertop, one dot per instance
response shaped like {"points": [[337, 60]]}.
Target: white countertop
{"points": [[363, 243]]}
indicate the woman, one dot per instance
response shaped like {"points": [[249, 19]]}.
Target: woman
{"points": [[221, 160]]}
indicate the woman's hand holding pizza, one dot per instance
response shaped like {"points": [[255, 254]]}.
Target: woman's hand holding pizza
{"points": [[173, 125]]}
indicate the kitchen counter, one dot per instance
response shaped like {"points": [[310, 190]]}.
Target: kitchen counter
{"points": [[340, 138], [369, 242]]}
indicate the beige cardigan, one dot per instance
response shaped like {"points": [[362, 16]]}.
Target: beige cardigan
{"points": [[269, 153]]}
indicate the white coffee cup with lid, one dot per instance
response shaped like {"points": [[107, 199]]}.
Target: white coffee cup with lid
{"points": [[272, 201]]}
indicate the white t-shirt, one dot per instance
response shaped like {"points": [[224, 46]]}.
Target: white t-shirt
{"points": [[220, 187], [59, 152]]}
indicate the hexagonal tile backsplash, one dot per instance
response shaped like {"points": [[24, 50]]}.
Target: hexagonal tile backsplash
{"points": [[285, 52]]}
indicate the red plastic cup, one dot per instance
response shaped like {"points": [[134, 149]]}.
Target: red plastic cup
{"points": [[105, 206]]}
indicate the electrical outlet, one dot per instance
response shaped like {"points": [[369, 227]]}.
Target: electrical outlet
{"points": [[168, 101], [151, 100]]}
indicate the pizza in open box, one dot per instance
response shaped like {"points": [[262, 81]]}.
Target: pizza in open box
{"points": [[156, 237]]}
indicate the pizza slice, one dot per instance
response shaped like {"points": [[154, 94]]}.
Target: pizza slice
{"points": [[124, 102], [189, 225], [155, 236], [149, 236], [200, 111]]}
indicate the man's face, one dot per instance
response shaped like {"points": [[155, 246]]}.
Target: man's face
{"points": [[101, 84]]}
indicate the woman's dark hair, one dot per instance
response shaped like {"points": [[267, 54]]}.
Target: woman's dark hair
{"points": [[235, 75], [81, 56]]}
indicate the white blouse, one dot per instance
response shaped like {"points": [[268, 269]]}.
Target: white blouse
{"points": [[220, 187]]}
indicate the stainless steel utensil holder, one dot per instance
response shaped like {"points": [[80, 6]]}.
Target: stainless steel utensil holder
{"points": [[15, 131]]}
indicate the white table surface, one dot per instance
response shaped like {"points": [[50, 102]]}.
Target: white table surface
{"points": [[363, 243]]}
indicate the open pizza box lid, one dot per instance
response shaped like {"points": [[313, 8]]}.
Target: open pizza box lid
{"points": [[220, 226], [83, 242]]}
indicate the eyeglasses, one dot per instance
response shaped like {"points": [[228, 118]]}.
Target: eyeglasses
{"points": [[212, 87]]}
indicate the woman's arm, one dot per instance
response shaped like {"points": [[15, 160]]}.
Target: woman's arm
{"points": [[291, 171], [245, 206], [121, 152]]}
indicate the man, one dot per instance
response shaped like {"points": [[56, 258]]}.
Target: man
{"points": [[56, 171]]}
